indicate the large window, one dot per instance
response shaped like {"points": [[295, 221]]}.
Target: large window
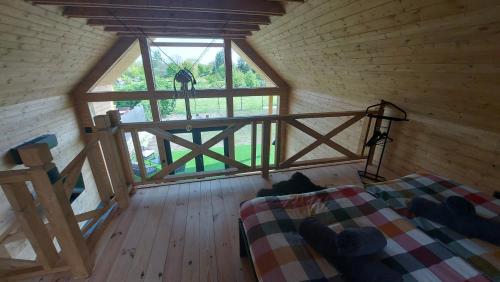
{"points": [[125, 84], [206, 63]]}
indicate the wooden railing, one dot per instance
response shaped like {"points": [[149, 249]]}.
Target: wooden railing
{"points": [[230, 127], [45, 215]]}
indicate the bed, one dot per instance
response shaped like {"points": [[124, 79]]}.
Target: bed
{"points": [[279, 253], [396, 193]]}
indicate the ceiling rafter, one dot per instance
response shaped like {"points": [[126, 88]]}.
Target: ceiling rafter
{"points": [[186, 34], [204, 18], [174, 30], [254, 7], [170, 24], [135, 14]]}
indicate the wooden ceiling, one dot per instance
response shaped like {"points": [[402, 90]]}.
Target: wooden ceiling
{"points": [[164, 18]]}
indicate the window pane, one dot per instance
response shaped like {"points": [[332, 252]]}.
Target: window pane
{"points": [[172, 109], [130, 111], [127, 74], [246, 74], [201, 108], [209, 71], [188, 40], [255, 105], [205, 108]]}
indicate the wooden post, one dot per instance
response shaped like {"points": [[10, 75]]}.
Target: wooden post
{"points": [[254, 145], [228, 60], [283, 137], [153, 101], [138, 154], [270, 107], [266, 142], [277, 144], [32, 225], [111, 155], [98, 167], [121, 142], [58, 209]]}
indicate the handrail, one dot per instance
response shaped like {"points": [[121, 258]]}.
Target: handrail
{"points": [[200, 123], [14, 176]]}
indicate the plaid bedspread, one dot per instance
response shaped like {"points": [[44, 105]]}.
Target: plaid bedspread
{"points": [[279, 253], [396, 193]]}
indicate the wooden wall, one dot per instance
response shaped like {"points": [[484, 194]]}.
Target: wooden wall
{"points": [[438, 59], [42, 57]]}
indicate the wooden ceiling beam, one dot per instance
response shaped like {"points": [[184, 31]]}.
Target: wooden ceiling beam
{"points": [[170, 30], [183, 35], [142, 14], [254, 7], [177, 31], [171, 24]]}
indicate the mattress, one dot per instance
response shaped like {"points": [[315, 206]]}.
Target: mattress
{"points": [[397, 193], [279, 253]]}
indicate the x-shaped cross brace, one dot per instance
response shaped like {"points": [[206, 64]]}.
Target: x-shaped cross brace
{"points": [[198, 149], [321, 139]]}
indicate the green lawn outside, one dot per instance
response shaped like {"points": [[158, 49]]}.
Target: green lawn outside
{"points": [[243, 106]]}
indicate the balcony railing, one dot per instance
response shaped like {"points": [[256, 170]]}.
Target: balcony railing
{"points": [[267, 144]]}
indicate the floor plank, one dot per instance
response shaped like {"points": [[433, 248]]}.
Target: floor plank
{"points": [[139, 265], [105, 261], [208, 260], [189, 231], [221, 221], [161, 241], [191, 256], [173, 263], [129, 248]]}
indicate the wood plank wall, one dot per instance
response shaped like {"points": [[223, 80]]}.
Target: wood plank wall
{"points": [[42, 57], [438, 59]]}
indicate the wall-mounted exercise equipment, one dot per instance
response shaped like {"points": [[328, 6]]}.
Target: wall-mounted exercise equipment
{"points": [[380, 135]]}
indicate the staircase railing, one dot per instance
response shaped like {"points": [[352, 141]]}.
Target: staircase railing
{"points": [[61, 239]]}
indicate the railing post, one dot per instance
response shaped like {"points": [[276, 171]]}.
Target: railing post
{"points": [[266, 142], [58, 209], [278, 144], [98, 167], [121, 142], [253, 152], [111, 155]]}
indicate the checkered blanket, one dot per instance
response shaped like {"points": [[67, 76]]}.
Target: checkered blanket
{"points": [[279, 253], [396, 193]]}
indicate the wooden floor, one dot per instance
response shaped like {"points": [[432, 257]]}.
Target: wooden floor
{"points": [[188, 232]]}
